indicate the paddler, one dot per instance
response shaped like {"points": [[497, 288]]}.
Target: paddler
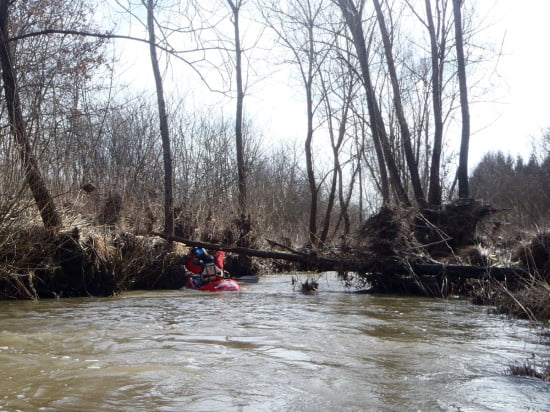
{"points": [[205, 267]]}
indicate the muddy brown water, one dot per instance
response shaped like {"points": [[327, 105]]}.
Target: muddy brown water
{"points": [[267, 348]]}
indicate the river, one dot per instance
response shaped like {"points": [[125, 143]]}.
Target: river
{"points": [[267, 348]]}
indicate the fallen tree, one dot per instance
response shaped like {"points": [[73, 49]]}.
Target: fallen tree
{"points": [[383, 255], [382, 273]]}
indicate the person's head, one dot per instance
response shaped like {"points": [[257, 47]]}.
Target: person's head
{"points": [[199, 252]]}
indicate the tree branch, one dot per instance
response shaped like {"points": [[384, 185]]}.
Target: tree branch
{"points": [[171, 51]]}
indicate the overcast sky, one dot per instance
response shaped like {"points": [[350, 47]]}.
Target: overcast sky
{"points": [[516, 110], [523, 109]]}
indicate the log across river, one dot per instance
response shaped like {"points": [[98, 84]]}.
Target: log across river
{"points": [[383, 267]]}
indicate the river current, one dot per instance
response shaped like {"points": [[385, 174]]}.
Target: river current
{"points": [[267, 348]]}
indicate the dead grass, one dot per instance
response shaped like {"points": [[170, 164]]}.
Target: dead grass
{"points": [[86, 260], [534, 254], [530, 369], [531, 302]]}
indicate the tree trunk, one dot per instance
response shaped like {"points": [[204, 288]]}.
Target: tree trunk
{"points": [[33, 177], [309, 166], [346, 199], [163, 120], [462, 174], [384, 182], [336, 144], [434, 194], [332, 193], [241, 170], [353, 20], [369, 265], [398, 106], [313, 239]]}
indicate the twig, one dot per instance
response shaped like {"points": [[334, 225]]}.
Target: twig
{"points": [[429, 244], [275, 243]]}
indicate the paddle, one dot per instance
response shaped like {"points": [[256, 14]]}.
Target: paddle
{"points": [[247, 279]]}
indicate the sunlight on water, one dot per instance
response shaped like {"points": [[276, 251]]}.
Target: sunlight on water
{"points": [[267, 348]]}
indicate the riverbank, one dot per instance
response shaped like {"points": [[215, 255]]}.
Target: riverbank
{"points": [[103, 260], [91, 260]]}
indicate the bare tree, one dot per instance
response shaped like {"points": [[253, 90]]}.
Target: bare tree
{"points": [[235, 6], [166, 30], [297, 29], [339, 88], [462, 174], [437, 50], [353, 17], [33, 177], [163, 121], [438, 26], [398, 107]]}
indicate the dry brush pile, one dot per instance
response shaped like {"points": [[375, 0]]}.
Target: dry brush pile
{"points": [[85, 261], [102, 260], [390, 238]]}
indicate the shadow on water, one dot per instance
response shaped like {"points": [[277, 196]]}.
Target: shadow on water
{"points": [[266, 348]]}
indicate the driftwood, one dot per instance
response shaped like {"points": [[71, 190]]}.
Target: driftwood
{"points": [[367, 265]]}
